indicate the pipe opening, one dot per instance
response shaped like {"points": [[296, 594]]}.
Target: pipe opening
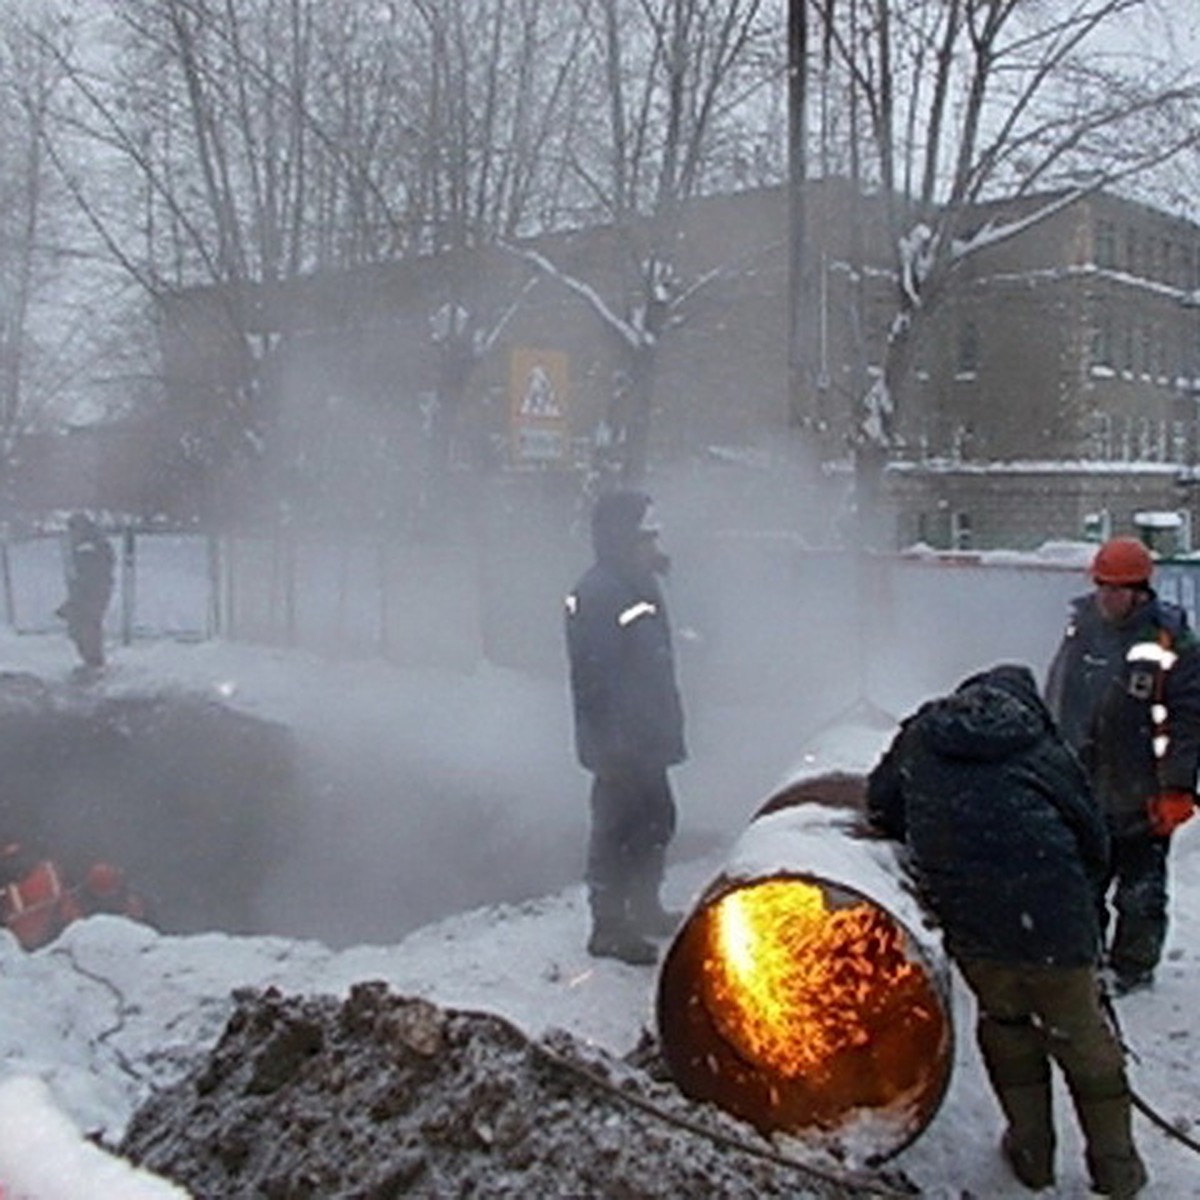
{"points": [[804, 1007]]}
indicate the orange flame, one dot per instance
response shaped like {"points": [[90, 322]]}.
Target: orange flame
{"points": [[796, 985]]}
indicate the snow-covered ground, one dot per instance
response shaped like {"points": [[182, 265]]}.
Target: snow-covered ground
{"points": [[91, 1023]]}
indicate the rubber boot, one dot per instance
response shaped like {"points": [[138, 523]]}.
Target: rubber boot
{"points": [[1114, 1164], [1028, 1142], [613, 935], [621, 942], [647, 915]]}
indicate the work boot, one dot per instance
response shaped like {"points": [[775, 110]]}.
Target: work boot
{"points": [[656, 921], [1028, 1142], [1119, 1176], [1125, 982], [621, 942], [1112, 1159], [1031, 1162]]}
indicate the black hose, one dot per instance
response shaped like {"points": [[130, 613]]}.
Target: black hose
{"points": [[859, 1183], [1151, 1114]]}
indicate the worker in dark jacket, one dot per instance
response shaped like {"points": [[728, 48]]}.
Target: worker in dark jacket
{"points": [[628, 725], [1124, 687], [1008, 849], [89, 572]]}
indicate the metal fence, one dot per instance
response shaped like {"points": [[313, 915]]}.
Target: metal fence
{"points": [[757, 616]]}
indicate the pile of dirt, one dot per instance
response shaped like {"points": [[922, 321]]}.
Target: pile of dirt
{"points": [[382, 1095]]}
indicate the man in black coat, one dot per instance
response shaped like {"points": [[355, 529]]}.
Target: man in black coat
{"points": [[1009, 850], [89, 577], [1124, 687], [628, 725]]}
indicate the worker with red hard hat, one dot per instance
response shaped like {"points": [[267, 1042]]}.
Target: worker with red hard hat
{"points": [[38, 899], [1124, 686]]}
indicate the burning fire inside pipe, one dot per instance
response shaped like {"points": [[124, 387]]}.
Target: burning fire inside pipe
{"points": [[806, 1007]]}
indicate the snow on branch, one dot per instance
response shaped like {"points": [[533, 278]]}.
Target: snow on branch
{"points": [[918, 249], [629, 332], [993, 232], [877, 410]]}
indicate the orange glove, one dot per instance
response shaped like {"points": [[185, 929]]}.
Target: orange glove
{"points": [[1169, 810]]}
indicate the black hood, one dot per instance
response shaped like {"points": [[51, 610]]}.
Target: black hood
{"points": [[990, 716], [616, 520]]}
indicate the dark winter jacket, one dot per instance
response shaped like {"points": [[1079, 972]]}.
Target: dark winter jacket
{"points": [[1105, 688], [626, 702], [89, 570], [1005, 839]]}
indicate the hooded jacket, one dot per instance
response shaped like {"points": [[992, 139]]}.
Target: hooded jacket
{"points": [[1005, 839], [89, 569], [1103, 688], [628, 714]]}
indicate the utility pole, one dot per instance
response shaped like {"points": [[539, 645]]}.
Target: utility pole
{"points": [[797, 50]]}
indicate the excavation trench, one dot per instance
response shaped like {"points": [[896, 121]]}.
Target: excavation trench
{"points": [[223, 820]]}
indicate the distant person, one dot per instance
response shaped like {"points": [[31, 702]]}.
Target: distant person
{"points": [[1124, 687], [1008, 848], [89, 578], [37, 901], [628, 726]]}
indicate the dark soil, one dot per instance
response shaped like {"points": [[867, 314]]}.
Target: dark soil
{"points": [[384, 1096]]}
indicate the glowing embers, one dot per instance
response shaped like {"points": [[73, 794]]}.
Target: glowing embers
{"points": [[800, 1005], [794, 984]]}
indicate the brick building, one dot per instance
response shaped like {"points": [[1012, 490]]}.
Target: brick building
{"points": [[1060, 392], [1055, 398]]}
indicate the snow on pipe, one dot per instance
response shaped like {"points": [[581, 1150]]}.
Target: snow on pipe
{"points": [[805, 992]]}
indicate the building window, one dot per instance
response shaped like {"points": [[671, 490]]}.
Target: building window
{"points": [[1103, 349], [1144, 443], [1097, 526], [967, 361], [1106, 244], [1127, 340], [1179, 442], [1131, 250], [960, 530]]}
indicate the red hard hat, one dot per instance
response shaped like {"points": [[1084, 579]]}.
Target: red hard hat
{"points": [[103, 879], [1123, 561]]}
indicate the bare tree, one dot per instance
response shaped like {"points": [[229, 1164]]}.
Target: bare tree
{"points": [[956, 102], [28, 81], [259, 140], [55, 299], [671, 79]]}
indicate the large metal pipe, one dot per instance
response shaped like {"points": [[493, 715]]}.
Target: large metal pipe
{"points": [[806, 992]]}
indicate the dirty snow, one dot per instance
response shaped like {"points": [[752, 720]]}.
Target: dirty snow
{"points": [[91, 1025]]}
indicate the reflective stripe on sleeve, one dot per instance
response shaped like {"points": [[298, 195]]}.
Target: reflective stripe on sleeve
{"points": [[1152, 652], [643, 608]]}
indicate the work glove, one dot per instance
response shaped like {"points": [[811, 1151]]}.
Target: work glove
{"points": [[1169, 810]]}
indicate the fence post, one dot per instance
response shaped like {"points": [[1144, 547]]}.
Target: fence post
{"points": [[128, 584], [213, 555], [10, 607], [384, 612]]}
